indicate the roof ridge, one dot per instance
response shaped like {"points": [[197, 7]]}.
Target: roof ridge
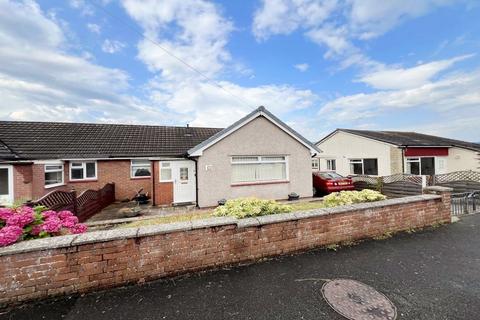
{"points": [[107, 124]]}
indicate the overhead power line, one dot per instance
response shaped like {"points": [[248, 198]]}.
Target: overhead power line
{"points": [[138, 31]]}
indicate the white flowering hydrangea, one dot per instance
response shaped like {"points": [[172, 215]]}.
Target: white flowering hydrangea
{"points": [[250, 207], [349, 197]]}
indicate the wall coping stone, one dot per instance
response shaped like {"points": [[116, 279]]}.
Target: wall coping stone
{"points": [[438, 189], [127, 233]]}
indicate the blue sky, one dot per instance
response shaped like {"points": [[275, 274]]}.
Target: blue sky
{"points": [[319, 65]]}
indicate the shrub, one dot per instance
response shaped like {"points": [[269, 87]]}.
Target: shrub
{"points": [[250, 207], [349, 197], [25, 223]]}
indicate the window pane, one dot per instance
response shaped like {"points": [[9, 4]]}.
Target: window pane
{"points": [[165, 164], [141, 172], [370, 166], [244, 159], [166, 174], [140, 163], [183, 174], [53, 167], [356, 168], [273, 158], [53, 177], [76, 164], [91, 170], [271, 171], [428, 166], [413, 168], [3, 181], [243, 172], [76, 173], [315, 163]]}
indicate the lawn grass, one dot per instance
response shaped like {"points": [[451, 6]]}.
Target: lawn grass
{"points": [[208, 213], [302, 206], [189, 216]]}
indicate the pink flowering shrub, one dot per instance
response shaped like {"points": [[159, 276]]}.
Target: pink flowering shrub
{"points": [[25, 223]]}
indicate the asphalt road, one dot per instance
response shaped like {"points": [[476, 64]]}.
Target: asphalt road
{"points": [[433, 274]]}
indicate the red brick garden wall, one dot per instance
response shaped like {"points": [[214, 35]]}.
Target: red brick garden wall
{"points": [[73, 264]]}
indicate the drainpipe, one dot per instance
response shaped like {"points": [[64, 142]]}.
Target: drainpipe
{"points": [[196, 181], [153, 183]]}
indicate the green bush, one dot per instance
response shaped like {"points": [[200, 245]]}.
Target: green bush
{"points": [[250, 207], [349, 197]]}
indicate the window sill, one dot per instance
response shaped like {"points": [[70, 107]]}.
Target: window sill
{"points": [[258, 183], [141, 178], [82, 180], [54, 185]]}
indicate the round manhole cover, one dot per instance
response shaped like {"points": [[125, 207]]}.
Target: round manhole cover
{"points": [[357, 301]]}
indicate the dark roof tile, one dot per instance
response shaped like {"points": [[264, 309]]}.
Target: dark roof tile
{"points": [[59, 140], [413, 139]]}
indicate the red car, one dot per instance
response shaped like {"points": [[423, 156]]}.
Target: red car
{"points": [[327, 182]]}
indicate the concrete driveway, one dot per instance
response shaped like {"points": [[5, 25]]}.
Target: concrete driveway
{"points": [[433, 274]]}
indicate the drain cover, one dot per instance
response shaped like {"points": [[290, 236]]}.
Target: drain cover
{"points": [[357, 301]]}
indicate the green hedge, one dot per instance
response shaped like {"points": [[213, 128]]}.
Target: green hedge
{"points": [[250, 207]]}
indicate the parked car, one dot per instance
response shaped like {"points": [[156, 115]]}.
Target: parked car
{"points": [[327, 182]]}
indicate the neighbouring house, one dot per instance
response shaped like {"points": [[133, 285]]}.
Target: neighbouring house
{"points": [[259, 155], [383, 153]]}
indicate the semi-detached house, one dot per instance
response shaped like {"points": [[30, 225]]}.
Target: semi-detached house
{"points": [[259, 155], [383, 153]]}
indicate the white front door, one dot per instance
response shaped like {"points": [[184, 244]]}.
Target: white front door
{"points": [[183, 176], [6, 185]]}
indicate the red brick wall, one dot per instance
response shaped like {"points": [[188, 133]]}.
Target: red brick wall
{"points": [[163, 190], [22, 182], [146, 255], [117, 171]]}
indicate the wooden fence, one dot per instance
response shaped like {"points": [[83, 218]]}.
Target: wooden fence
{"points": [[402, 185], [394, 186], [88, 203]]}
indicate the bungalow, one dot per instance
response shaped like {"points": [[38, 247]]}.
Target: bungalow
{"points": [[383, 153], [259, 155]]}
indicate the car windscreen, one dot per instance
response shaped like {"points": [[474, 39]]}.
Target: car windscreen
{"points": [[330, 176]]}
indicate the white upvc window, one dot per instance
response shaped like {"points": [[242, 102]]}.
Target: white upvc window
{"points": [[367, 166], [246, 169], [140, 168], [315, 164], [331, 164], [421, 165], [53, 175], [83, 170], [165, 172]]}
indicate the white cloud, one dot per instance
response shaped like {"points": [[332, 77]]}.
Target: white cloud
{"points": [[285, 16], [93, 27], [337, 25], [302, 67], [458, 92], [393, 78], [85, 8], [112, 46], [39, 80], [198, 34]]}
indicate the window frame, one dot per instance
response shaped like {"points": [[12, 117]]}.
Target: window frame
{"points": [[45, 171], [132, 166], [329, 164], [161, 166], [260, 160], [362, 162], [418, 159], [317, 161], [84, 168]]}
